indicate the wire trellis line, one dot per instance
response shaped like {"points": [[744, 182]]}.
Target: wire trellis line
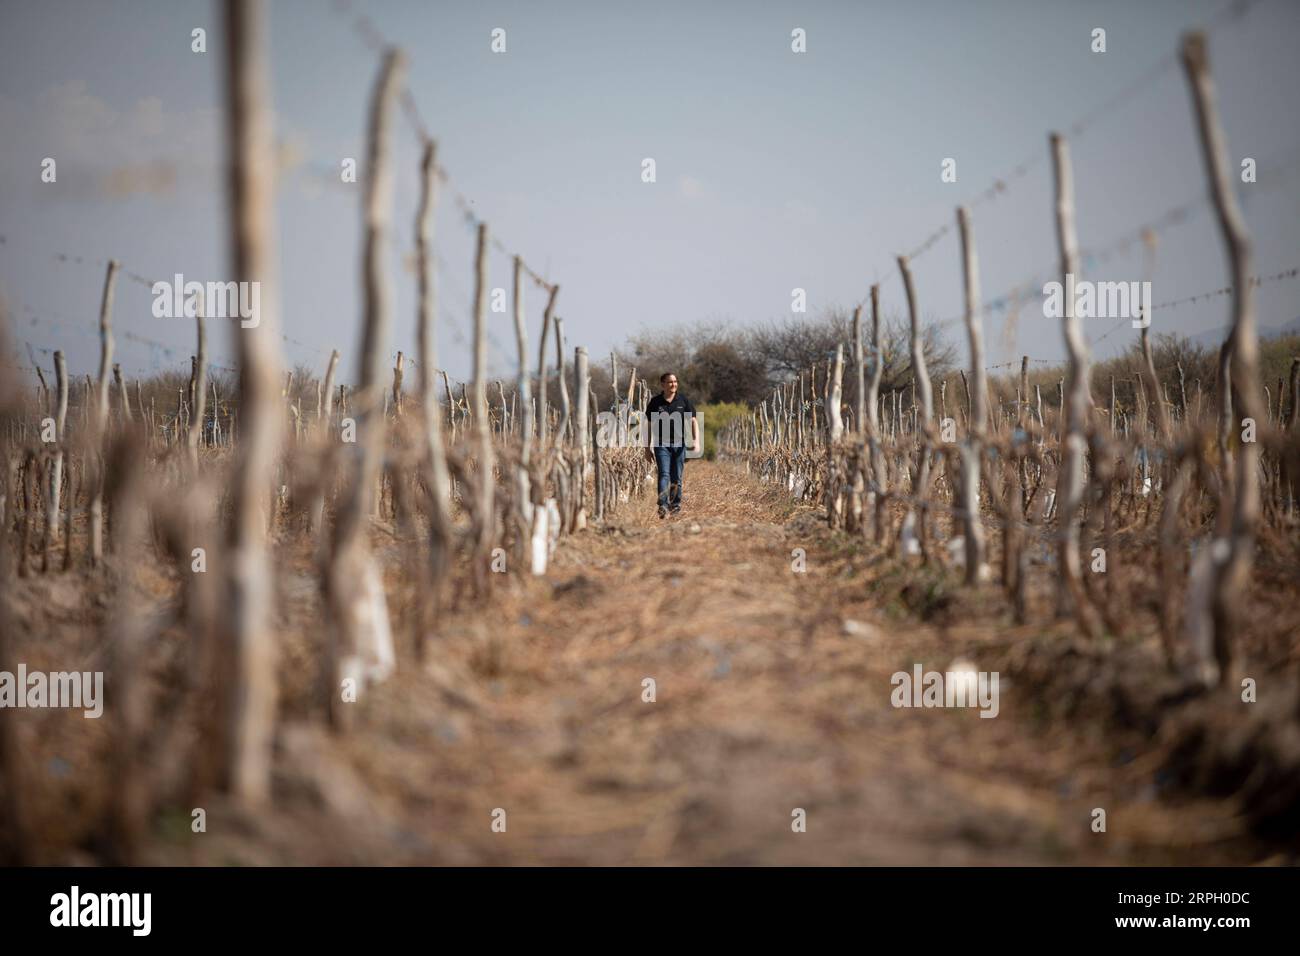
{"points": [[375, 41], [1231, 12]]}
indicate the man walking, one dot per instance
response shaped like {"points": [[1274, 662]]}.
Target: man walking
{"points": [[670, 415]]}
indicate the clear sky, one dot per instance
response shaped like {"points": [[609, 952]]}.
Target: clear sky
{"points": [[775, 170]]}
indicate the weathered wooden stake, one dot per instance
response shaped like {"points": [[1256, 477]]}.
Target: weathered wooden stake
{"points": [[484, 517], [200, 386], [1234, 544], [1070, 482], [56, 470], [970, 449], [439, 478], [541, 366], [582, 385], [247, 639], [565, 435], [99, 429]]}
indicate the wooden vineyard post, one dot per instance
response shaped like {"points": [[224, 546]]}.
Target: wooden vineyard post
{"points": [[399, 369], [484, 514], [325, 403], [879, 478], [834, 397], [834, 491], [921, 484], [200, 387], [523, 483], [582, 386], [971, 449], [1234, 542], [860, 467], [859, 376], [564, 437], [439, 478], [55, 487], [1022, 403], [1153, 383], [1070, 482], [124, 403], [361, 642], [1223, 392], [541, 366], [1110, 408], [613, 378], [99, 428], [249, 692]]}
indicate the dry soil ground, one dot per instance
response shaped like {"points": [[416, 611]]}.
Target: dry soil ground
{"points": [[772, 693]]}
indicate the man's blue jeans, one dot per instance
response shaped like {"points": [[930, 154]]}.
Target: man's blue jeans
{"points": [[672, 464]]}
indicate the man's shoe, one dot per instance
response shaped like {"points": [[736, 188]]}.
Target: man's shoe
{"points": [[663, 512]]}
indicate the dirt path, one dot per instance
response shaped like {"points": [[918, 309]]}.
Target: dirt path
{"points": [[763, 704], [772, 693]]}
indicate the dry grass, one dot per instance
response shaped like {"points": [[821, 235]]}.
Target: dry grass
{"points": [[767, 701]]}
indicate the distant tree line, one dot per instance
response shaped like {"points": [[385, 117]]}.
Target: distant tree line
{"points": [[718, 362]]}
